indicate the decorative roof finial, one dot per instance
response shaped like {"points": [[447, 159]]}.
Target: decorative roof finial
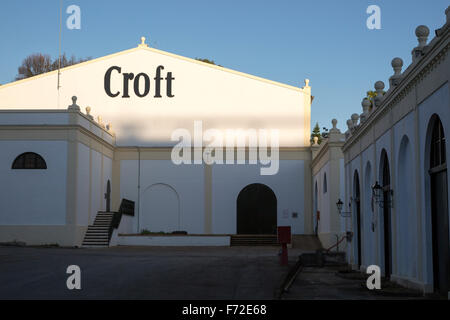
{"points": [[379, 86], [422, 33], [366, 110], [349, 123], [355, 118], [74, 106], [88, 113], [142, 44], [316, 141], [397, 64], [334, 129]]}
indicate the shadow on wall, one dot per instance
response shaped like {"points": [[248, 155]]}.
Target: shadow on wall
{"points": [[160, 209]]}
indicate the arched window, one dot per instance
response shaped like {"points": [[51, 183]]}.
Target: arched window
{"points": [[325, 183], [437, 158], [29, 160]]}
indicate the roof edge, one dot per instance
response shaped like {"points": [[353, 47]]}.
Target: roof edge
{"points": [[173, 55]]}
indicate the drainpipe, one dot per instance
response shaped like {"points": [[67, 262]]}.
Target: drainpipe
{"points": [[139, 190]]}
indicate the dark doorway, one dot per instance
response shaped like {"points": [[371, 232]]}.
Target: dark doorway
{"points": [[256, 210], [439, 209], [358, 216], [387, 238]]}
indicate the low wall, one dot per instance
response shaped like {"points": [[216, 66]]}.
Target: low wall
{"points": [[175, 240], [68, 235]]}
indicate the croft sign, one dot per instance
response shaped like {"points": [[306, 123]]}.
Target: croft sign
{"points": [[140, 83]]}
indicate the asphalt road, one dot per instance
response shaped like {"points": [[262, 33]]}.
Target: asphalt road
{"points": [[142, 273]]}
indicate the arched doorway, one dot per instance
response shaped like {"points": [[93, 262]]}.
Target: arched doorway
{"points": [[356, 199], [160, 209], [387, 238], [256, 210], [439, 208]]}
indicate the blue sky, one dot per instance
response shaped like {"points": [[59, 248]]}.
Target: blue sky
{"points": [[326, 41]]}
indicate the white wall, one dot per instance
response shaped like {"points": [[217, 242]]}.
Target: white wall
{"points": [[94, 171], [323, 198], [83, 181], [222, 99], [33, 197], [438, 103], [163, 178], [288, 186]]}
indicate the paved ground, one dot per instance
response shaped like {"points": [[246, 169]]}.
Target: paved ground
{"points": [[142, 273], [327, 283], [174, 273]]}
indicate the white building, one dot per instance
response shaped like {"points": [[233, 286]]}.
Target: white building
{"points": [[389, 169], [398, 151], [144, 95]]}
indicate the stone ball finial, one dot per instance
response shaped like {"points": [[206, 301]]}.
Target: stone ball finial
{"points": [[74, 106], [379, 86], [422, 33], [88, 113], [334, 123], [355, 118], [316, 141], [143, 44], [397, 63], [349, 124], [306, 82], [366, 105]]}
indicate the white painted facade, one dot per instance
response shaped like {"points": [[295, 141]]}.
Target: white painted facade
{"points": [[129, 143], [57, 204], [328, 187], [399, 125]]}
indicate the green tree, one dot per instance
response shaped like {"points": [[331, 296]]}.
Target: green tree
{"points": [[38, 63], [316, 133], [207, 61]]}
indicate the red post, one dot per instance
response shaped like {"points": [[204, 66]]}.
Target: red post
{"points": [[284, 237]]}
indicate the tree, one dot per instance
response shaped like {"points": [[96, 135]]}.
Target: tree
{"points": [[316, 133], [39, 63], [207, 61]]}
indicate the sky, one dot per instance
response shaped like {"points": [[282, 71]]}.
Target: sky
{"points": [[326, 41]]}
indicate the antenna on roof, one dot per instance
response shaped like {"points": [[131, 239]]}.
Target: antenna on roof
{"points": [[59, 48]]}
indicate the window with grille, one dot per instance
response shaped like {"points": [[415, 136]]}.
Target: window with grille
{"points": [[29, 160]]}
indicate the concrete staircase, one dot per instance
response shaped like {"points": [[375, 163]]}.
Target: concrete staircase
{"points": [[254, 240], [97, 235]]}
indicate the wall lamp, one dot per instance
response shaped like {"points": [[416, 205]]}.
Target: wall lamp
{"points": [[344, 214], [378, 193]]}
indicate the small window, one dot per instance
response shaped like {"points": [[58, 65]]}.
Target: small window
{"points": [[29, 160], [325, 183]]}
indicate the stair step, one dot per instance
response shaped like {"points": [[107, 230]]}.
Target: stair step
{"points": [[254, 240], [97, 234]]}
